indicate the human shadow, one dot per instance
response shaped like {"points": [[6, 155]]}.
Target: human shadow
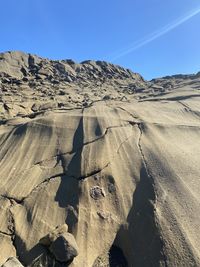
{"points": [[67, 197], [28, 257], [141, 241], [67, 194], [47, 259]]}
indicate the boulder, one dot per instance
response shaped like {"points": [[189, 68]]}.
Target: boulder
{"points": [[54, 234], [48, 105], [64, 248], [12, 262]]}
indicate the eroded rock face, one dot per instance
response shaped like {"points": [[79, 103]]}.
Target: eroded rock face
{"points": [[121, 171]]}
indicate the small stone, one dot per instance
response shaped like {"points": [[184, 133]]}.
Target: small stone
{"points": [[68, 79], [97, 192], [103, 215], [7, 106], [64, 248], [107, 97], [61, 92], [12, 262], [111, 188], [54, 81], [35, 107]]}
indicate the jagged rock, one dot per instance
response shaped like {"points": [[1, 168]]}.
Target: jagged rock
{"points": [[64, 248], [54, 234], [12, 262]]}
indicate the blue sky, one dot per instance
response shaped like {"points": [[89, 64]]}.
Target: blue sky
{"points": [[152, 37]]}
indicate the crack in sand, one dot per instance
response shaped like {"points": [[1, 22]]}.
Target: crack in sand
{"points": [[159, 123], [64, 173], [58, 156], [93, 172], [135, 117], [12, 200], [4, 233], [196, 113], [141, 152], [122, 143]]}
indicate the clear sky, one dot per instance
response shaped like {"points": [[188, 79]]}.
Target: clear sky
{"points": [[152, 37]]}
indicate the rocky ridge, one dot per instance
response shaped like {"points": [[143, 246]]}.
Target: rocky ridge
{"points": [[44, 84], [32, 84]]}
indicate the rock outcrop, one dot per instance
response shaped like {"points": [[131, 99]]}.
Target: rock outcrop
{"points": [[97, 148]]}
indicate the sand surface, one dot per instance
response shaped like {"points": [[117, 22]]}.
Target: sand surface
{"points": [[97, 147]]}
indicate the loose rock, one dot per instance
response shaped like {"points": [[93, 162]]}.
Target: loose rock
{"points": [[54, 234], [64, 248]]}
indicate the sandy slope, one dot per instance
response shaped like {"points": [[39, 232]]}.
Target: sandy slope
{"points": [[121, 169]]}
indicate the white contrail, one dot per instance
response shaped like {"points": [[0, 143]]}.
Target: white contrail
{"points": [[153, 36]]}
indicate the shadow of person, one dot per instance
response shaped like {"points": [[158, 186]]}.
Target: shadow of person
{"points": [[67, 197], [67, 194], [47, 259], [35, 252], [141, 241]]}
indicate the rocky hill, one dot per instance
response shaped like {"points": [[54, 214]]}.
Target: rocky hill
{"points": [[99, 168]]}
